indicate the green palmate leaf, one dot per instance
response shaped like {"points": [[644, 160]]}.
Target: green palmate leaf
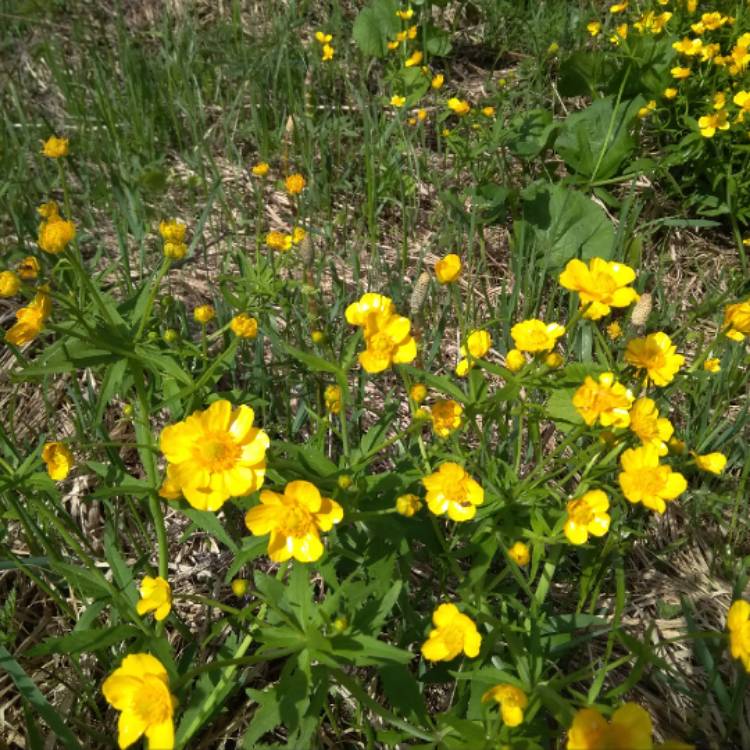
{"points": [[596, 141], [565, 224], [79, 641], [375, 25], [30, 692], [437, 41]]}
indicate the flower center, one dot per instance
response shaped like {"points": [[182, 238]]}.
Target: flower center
{"points": [[651, 480], [455, 491], [379, 343], [152, 703], [453, 637], [217, 451], [298, 522], [603, 286], [580, 512]]}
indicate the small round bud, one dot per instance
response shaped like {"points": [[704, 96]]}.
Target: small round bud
{"points": [[340, 624], [127, 410], [170, 336], [318, 337], [345, 481], [239, 587]]}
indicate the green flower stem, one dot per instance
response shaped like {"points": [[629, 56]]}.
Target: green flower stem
{"points": [[165, 265], [146, 452]]}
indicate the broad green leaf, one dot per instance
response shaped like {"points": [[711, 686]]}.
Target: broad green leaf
{"points": [[375, 25], [595, 141], [529, 133], [566, 224]]}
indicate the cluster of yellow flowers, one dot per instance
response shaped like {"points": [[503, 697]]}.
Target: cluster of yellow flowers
{"points": [[701, 45], [173, 234], [326, 49]]}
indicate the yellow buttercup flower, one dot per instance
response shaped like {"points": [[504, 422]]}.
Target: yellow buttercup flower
{"points": [[645, 480], [478, 343], [214, 455], [438, 81], [30, 320], [650, 428], [737, 320], [54, 234], [260, 169], [652, 22], [175, 250], [298, 235], [390, 344], [621, 33], [680, 73], [521, 554], [204, 314], [279, 241], [453, 634], [332, 398], [405, 15], [515, 360], [48, 210], [459, 107], [172, 230], [688, 47], [738, 625], [59, 460], [709, 124], [715, 20], [448, 268], [398, 101], [55, 147], [713, 463], [327, 53], [601, 285], [369, 310], [554, 360], [594, 28], [614, 331], [618, 7], [670, 93], [446, 417], [294, 184], [605, 400], [742, 100], [139, 689], [156, 597], [630, 727], [411, 32], [408, 505], [323, 38], [418, 393], [648, 109], [720, 100], [488, 111], [535, 335], [414, 59], [244, 326], [294, 520], [9, 284], [713, 365], [657, 355], [512, 702], [451, 490], [587, 515], [318, 337]]}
